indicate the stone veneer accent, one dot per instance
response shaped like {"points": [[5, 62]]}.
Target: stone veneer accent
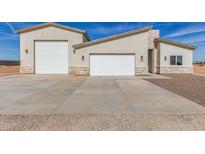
{"points": [[79, 70], [176, 70], [141, 70], [27, 69], [152, 35], [85, 70]]}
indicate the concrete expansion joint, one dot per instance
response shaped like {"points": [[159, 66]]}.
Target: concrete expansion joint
{"points": [[82, 83], [131, 107]]}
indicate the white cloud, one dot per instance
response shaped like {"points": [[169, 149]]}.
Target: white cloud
{"points": [[19, 25], [194, 39], [8, 36], [8, 49], [11, 27], [197, 40], [113, 29], [187, 30]]}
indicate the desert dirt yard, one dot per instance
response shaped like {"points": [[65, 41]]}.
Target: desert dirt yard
{"points": [[62, 102], [199, 68], [5, 70], [186, 85]]}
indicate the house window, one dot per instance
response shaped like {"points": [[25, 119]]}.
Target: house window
{"points": [[175, 60], [172, 60], [141, 59], [165, 58], [83, 58], [26, 51], [179, 60]]}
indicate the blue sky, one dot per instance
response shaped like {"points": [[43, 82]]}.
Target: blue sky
{"points": [[192, 33]]}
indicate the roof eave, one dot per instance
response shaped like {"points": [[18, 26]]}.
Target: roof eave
{"points": [[35, 27], [179, 44], [113, 37]]}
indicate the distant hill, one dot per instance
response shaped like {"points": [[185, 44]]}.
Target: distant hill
{"points": [[9, 62]]}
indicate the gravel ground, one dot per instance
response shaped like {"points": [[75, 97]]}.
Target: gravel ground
{"points": [[96, 122], [186, 85]]}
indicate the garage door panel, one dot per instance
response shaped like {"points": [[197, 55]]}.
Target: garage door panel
{"points": [[110, 65], [51, 57]]}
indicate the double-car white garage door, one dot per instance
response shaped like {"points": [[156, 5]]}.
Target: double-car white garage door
{"points": [[112, 64], [51, 57]]}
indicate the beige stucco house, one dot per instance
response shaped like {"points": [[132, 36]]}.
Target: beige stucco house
{"points": [[55, 49]]}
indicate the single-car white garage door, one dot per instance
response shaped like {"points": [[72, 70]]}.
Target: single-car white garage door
{"points": [[112, 64], [51, 57]]}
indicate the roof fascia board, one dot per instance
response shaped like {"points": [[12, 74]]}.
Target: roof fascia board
{"points": [[44, 25], [113, 37], [179, 44]]}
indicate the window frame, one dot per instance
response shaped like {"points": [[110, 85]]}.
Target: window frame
{"points": [[141, 58], [176, 60], [181, 60], [170, 60]]}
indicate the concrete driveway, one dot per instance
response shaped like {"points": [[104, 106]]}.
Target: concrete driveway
{"points": [[33, 94]]}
